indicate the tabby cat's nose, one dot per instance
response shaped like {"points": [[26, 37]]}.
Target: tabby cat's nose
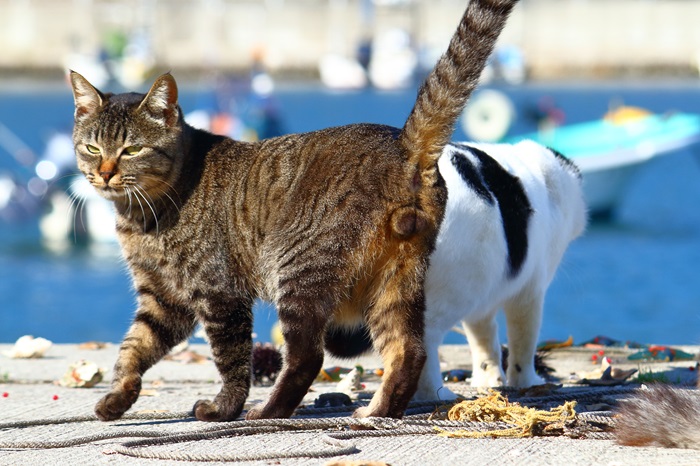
{"points": [[107, 175], [107, 170]]}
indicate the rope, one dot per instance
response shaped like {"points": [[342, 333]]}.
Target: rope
{"points": [[143, 416], [419, 420], [337, 448], [496, 407]]}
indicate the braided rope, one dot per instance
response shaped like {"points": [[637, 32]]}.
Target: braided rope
{"points": [[336, 448], [418, 421], [144, 416]]}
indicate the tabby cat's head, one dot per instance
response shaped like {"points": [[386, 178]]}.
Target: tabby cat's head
{"points": [[128, 144]]}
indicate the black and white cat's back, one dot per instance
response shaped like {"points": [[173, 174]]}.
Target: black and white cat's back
{"points": [[511, 212]]}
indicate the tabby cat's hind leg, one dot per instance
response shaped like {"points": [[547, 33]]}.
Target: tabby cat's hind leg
{"points": [[524, 317], [482, 336], [396, 324], [303, 322]]}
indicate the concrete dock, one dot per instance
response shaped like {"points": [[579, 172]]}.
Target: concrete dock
{"points": [[44, 423]]}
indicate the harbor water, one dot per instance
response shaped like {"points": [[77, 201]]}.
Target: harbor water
{"points": [[634, 277]]}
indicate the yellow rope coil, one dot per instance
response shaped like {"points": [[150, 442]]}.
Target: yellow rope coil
{"points": [[495, 407]]}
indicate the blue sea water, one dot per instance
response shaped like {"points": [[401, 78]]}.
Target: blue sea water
{"points": [[635, 278]]}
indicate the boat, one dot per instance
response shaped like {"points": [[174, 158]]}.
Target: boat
{"points": [[611, 150]]}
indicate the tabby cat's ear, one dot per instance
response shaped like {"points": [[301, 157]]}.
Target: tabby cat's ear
{"points": [[161, 101], [87, 98]]}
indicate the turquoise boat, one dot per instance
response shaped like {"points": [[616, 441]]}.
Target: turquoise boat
{"points": [[611, 150]]}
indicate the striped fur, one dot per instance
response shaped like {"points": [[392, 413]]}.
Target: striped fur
{"points": [[441, 98], [335, 227]]}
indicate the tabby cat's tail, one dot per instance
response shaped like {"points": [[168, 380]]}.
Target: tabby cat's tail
{"points": [[445, 92]]}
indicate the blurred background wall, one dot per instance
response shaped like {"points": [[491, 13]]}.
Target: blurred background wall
{"points": [[558, 38]]}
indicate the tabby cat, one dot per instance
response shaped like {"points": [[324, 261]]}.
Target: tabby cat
{"points": [[334, 227], [511, 212]]}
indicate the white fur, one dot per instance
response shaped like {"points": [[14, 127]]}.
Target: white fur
{"points": [[468, 277]]}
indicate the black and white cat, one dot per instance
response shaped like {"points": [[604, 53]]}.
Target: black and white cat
{"points": [[511, 212]]}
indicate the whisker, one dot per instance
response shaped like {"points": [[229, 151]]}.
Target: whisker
{"points": [[143, 212], [162, 181], [128, 196], [78, 203], [73, 210], [165, 191], [77, 206], [150, 203], [144, 195]]}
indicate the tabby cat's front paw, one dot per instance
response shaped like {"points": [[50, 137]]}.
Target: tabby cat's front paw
{"points": [[256, 412], [212, 411], [377, 411], [114, 404], [363, 412], [268, 411]]}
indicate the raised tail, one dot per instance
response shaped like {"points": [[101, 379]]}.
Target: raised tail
{"points": [[444, 93]]}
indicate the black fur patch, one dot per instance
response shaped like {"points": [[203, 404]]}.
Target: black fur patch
{"points": [[513, 204], [566, 162], [347, 342], [470, 174]]}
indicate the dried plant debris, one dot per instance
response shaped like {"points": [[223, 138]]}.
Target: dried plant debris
{"points": [[606, 375], [549, 345], [28, 347], [92, 345], [186, 356], [82, 374]]}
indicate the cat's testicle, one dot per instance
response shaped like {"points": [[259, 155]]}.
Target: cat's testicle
{"points": [[511, 212], [335, 227]]}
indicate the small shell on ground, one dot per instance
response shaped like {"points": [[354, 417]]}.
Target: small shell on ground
{"points": [[27, 347]]}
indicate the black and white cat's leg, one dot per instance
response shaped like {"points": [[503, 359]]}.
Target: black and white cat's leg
{"points": [[482, 336], [524, 317], [430, 385], [303, 314], [228, 324], [158, 326]]}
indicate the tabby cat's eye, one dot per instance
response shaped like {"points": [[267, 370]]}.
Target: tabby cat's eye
{"points": [[92, 149], [132, 150]]}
